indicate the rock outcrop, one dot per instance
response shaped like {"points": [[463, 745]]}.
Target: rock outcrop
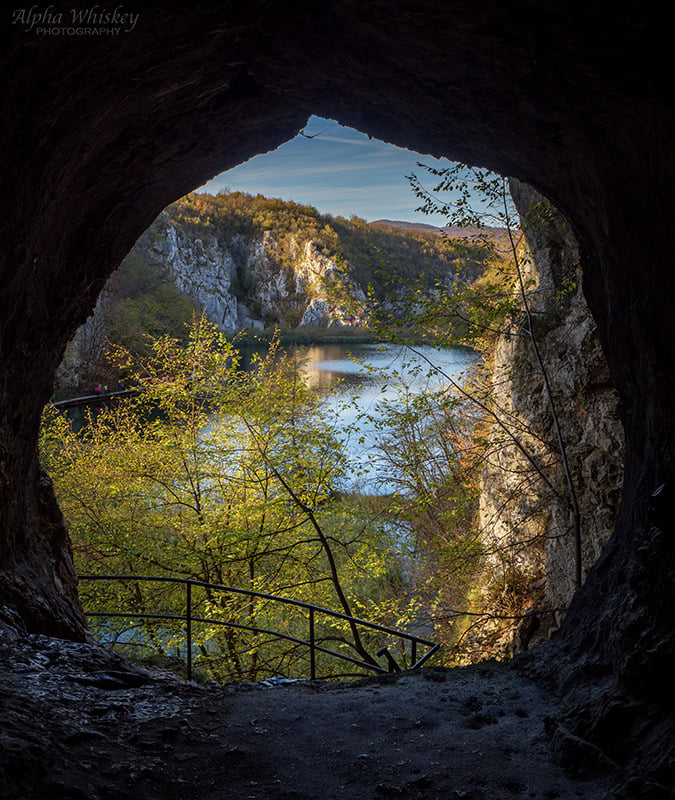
{"points": [[212, 272], [203, 270], [85, 351], [527, 512]]}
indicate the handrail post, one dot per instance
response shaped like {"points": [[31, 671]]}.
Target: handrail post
{"points": [[188, 619], [312, 655], [391, 661]]}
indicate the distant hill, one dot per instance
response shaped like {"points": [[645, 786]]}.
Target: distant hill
{"points": [[408, 226], [452, 231]]}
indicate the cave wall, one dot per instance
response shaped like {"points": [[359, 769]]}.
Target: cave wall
{"points": [[102, 132]]}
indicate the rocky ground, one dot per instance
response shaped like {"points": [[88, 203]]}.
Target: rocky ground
{"points": [[79, 722]]}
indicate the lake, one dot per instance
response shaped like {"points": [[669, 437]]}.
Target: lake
{"points": [[359, 376]]}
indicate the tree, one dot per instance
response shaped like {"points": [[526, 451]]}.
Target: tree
{"points": [[430, 450], [222, 476]]}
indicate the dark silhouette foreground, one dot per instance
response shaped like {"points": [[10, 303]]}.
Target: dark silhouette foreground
{"points": [[78, 722]]}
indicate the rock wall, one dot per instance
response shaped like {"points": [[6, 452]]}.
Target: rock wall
{"points": [[238, 282], [204, 270], [527, 516], [82, 358]]}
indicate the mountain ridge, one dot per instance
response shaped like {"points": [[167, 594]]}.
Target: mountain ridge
{"points": [[470, 232]]}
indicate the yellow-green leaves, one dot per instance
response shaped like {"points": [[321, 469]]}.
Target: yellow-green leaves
{"points": [[218, 475]]}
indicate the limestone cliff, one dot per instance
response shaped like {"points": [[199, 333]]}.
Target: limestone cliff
{"points": [[203, 269], [240, 281], [526, 514], [85, 351]]}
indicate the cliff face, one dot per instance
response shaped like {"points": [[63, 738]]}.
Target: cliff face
{"points": [[239, 282], [85, 350], [526, 509], [203, 269]]}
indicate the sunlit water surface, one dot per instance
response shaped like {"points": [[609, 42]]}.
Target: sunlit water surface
{"points": [[358, 378]]}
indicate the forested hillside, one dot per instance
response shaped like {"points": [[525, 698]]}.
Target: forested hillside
{"points": [[255, 262], [381, 255]]}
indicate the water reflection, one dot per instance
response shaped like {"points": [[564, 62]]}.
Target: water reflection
{"points": [[361, 376]]}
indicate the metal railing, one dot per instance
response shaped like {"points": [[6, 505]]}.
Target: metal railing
{"points": [[312, 611], [100, 398]]}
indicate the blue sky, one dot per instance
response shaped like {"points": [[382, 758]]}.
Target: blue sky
{"points": [[340, 171]]}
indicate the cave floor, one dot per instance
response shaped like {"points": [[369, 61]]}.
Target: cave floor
{"points": [[78, 722]]}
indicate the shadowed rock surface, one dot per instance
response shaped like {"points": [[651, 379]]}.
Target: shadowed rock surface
{"points": [[78, 722], [576, 99]]}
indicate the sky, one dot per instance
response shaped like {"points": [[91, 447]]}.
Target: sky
{"points": [[339, 171]]}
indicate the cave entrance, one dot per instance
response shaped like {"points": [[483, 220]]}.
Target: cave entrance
{"points": [[528, 573], [114, 131]]}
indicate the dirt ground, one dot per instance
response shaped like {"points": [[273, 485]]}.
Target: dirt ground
{"points": [[78, 722]]}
